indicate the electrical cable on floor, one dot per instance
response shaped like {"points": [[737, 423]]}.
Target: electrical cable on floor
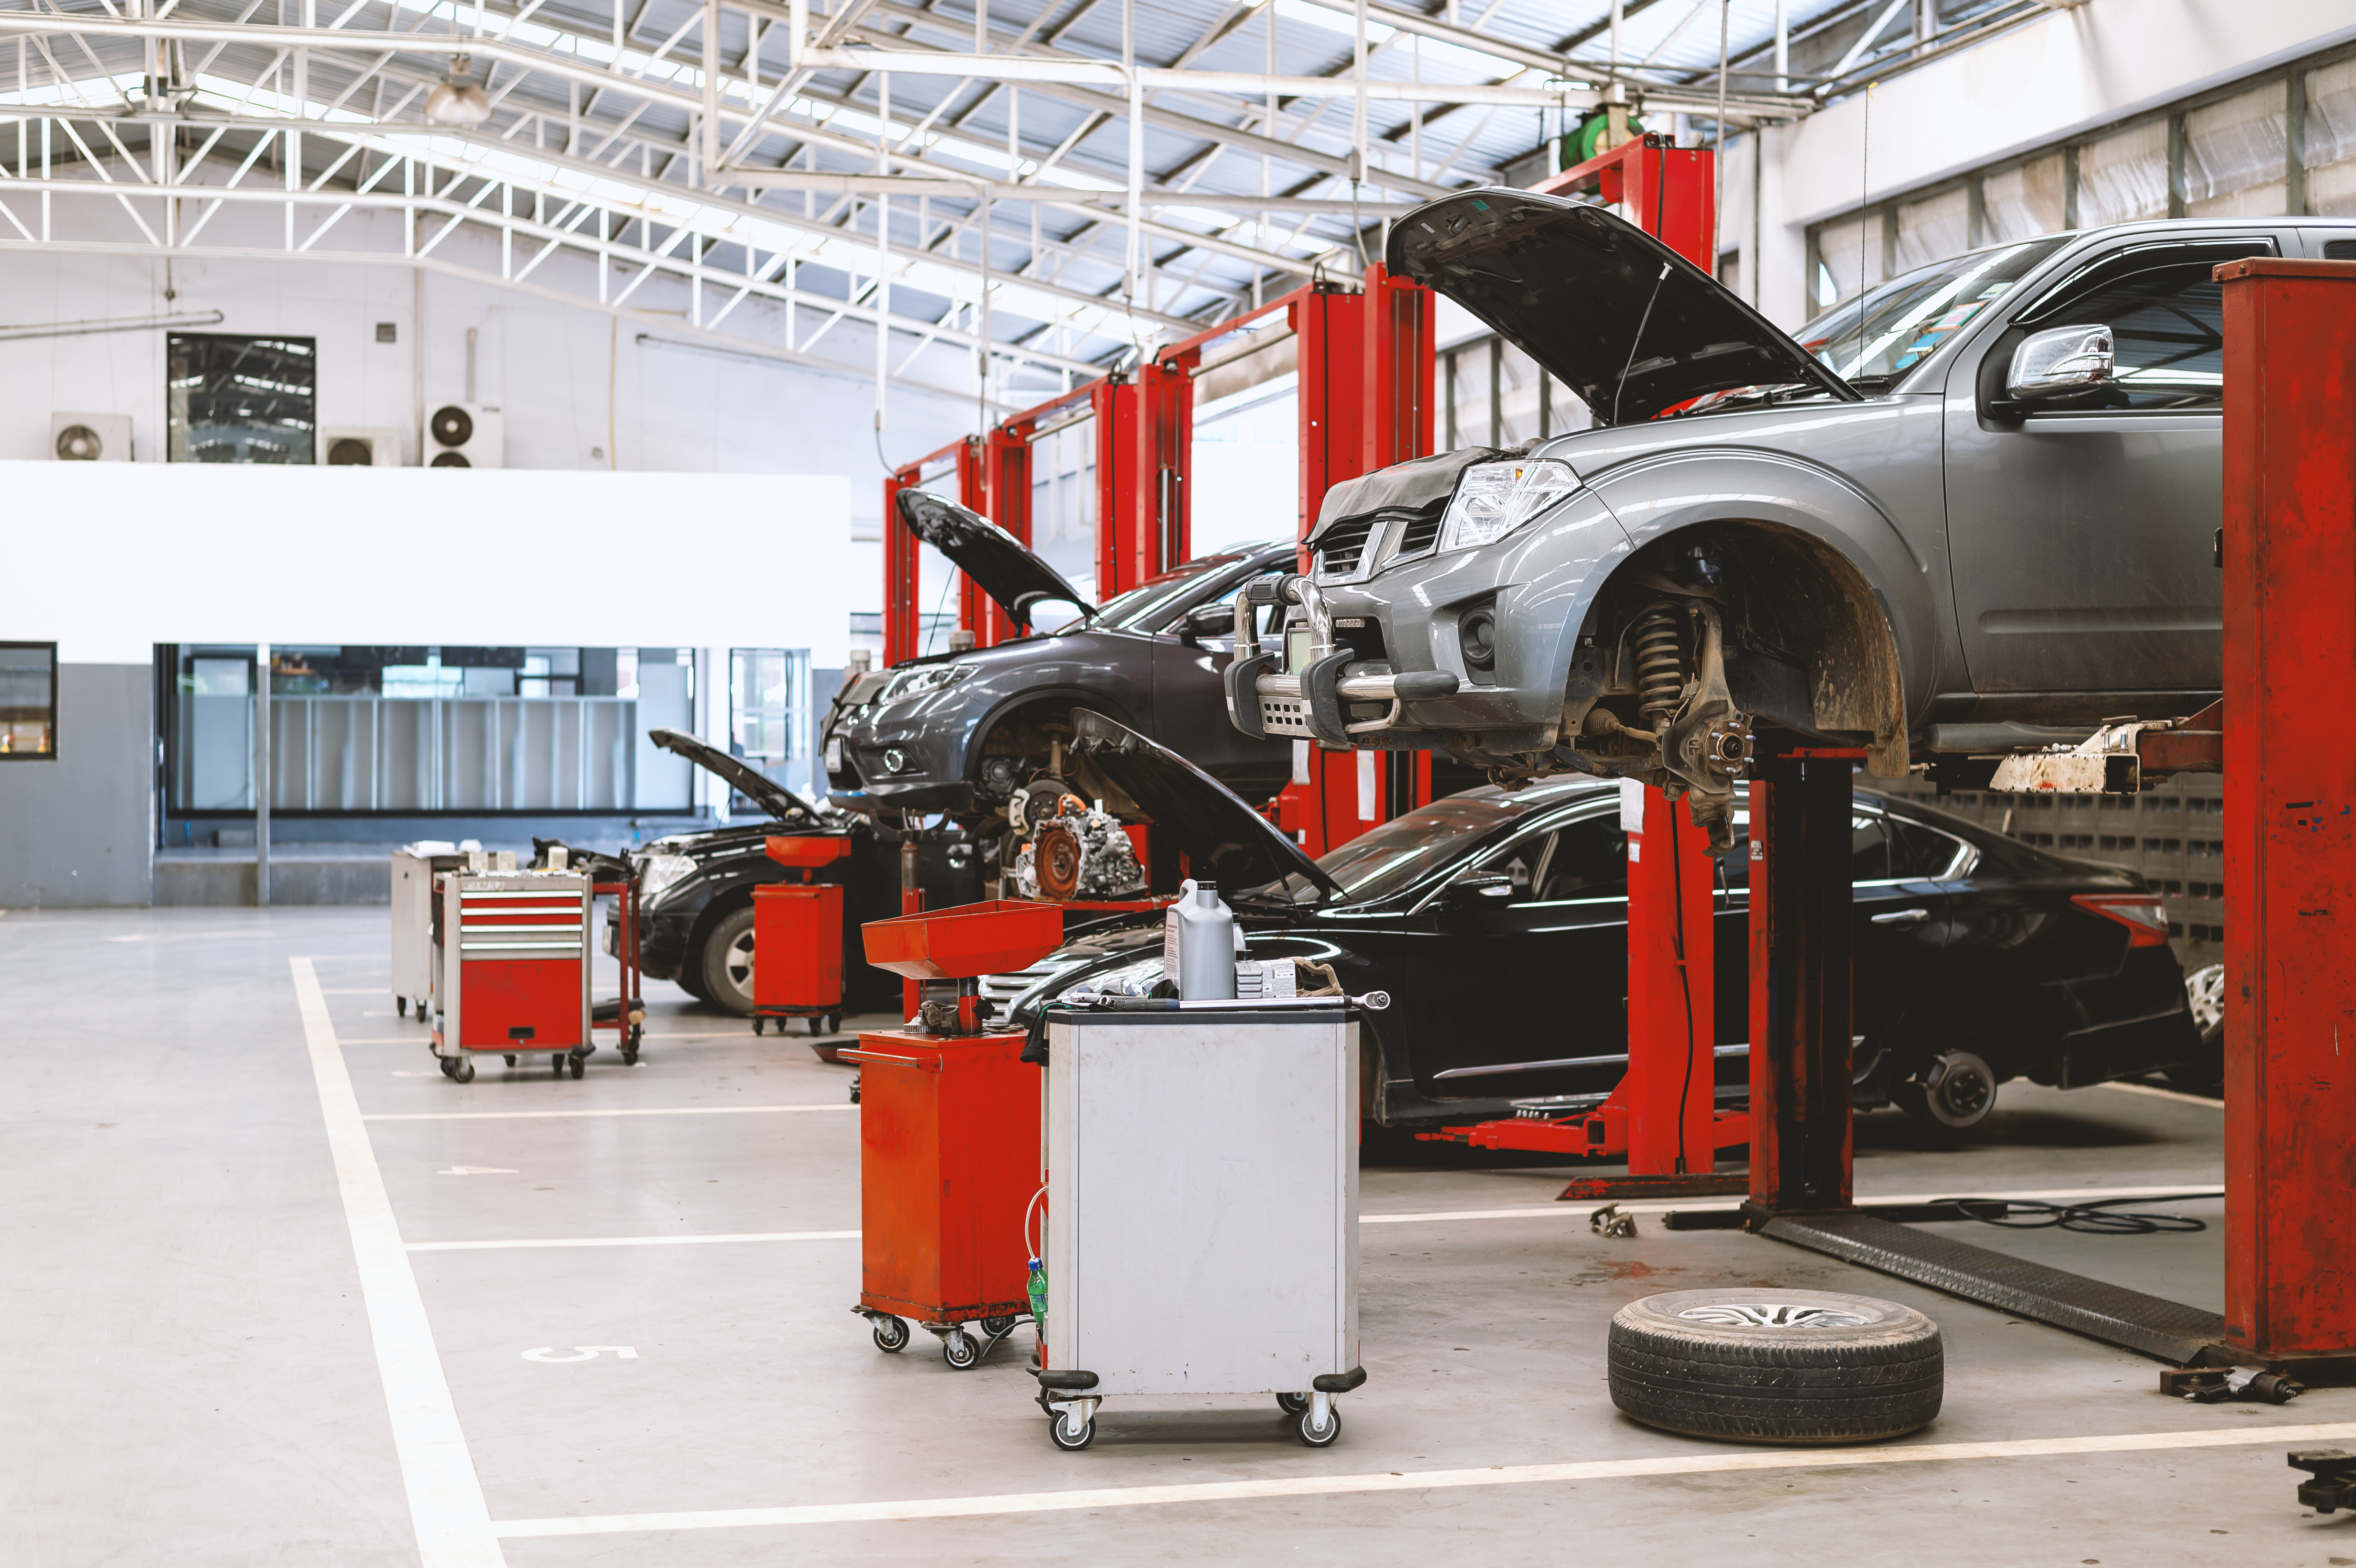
{"points": [[2099, 1218], [1685, 983]]}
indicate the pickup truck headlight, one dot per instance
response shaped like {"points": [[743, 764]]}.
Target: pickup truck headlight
{"points": [[1493, 500], [660, 871]]}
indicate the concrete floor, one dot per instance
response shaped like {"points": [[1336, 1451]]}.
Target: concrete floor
{"points": [[191, 1374]]}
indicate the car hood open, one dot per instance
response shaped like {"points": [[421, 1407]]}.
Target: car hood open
{"points": [[750, 782], [1627, 323], [1000, 564], [1222, 837]]}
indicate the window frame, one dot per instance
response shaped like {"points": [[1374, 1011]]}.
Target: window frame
{"points": [[55, 728]]}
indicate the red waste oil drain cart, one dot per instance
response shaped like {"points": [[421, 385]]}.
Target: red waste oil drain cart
{"points": [[517, 945], [797, 938], [948, 1135]]}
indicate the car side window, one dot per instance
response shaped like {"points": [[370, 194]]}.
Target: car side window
{"points": [[1918, 853], [1870, 848], [2169, 327], [1589, 861]]}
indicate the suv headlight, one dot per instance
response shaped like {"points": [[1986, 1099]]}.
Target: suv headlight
{"points": [[656, 872], [1493, 500], [924, 681]]}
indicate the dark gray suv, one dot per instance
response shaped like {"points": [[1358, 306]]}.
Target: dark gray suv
{"points": [[1975, 507]]}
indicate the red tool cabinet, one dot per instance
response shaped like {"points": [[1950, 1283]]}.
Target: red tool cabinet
{"points": [[512, 955], [797, 938], [948, 1137]]}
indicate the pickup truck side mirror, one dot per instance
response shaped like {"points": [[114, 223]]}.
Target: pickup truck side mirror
{"points": [[1466, 892], [2061, 361]]}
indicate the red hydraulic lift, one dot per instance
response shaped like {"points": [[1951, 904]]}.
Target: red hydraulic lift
{"points": [[1663, 1116]]}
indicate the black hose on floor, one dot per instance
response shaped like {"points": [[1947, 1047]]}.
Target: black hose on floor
{"points": [[2097, 1218]]}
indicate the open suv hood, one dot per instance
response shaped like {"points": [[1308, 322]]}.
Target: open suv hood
{"points": [[1002, 565], [1624, 321], [752, 783], [1221, 836]]}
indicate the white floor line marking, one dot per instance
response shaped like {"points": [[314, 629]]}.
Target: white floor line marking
{"points": [[1568, 1210], [636, 1241], [1580, 1210], [355, 991], [446, 1496], [631, 1111], [1717, 1461], [2159, 1094]]}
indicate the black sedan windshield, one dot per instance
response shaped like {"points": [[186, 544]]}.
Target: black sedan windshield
{"points": [[1401, 852]]}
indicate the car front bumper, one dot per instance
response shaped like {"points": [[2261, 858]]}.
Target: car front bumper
{"points": [[1537, 585]]}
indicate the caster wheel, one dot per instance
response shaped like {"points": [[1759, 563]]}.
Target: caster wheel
{"points": [[580, 1065], [448, 1066], [854, 1091], [890, 1334], [1069, 1438], [464, 1072], [834, 1023], [1293, 1403], [994, 1326], [1319, 1436], [757, 1024], [556, 1062], [511, 1059], [629, 1056], [401, 1006], [958, 1349]]}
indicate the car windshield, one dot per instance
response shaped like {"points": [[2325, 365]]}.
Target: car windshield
{"points": [[1872, 341], [1381, 862], [1143, 607]]}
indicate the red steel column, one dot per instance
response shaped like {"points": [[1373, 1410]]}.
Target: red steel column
{"points": [[1006, 490], [900, 581], [1161, 515], [2290, 788], [1395, 419], [975, 608], [1115, 403], [1331, 327], [1670, 942]]}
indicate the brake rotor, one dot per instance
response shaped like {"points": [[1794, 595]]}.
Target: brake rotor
{"points": [[1056, 856]]}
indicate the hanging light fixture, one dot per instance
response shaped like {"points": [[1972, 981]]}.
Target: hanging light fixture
{"points": [[458, 101]]}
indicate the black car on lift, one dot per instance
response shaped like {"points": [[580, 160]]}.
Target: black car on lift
{"points": [[695, 889], [960, 732], [1496, 919]]}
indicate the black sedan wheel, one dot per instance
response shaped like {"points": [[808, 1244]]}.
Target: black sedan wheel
{"points": [[1956, 1089], [727, 963]]}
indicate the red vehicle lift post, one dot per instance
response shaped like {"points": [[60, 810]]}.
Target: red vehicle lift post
{"points": [[2289, 549]]}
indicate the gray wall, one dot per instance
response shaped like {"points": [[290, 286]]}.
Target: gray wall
{"points": [[75, 831]]}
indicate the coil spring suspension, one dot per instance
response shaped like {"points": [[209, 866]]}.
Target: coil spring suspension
{"points": [[1660, 665]]}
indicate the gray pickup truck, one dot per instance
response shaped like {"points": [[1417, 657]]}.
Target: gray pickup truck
{"points": [[1974, 507]]}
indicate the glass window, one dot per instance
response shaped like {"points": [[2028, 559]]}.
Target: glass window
{"points": [[2124, 177], [241, 400], [1896, 326], [2023, 202], [1849, 259], [1869, 852], [1587, 859], [2330, 143], [1933, 230], [2168, 327], [2233, 156], [28, 701], [1920, 853], [768, 696]]}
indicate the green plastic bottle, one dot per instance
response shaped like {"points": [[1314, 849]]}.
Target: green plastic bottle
{"points": [[1038, 1287]]}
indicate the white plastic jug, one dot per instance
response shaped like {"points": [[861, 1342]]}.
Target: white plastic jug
{"points": [[1198, 943]]}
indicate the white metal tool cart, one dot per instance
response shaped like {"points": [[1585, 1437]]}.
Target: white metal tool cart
{"points": [[1202, 1230], [413, 870]]}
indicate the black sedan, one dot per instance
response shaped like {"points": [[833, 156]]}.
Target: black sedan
{"points": [[962, 732], [1496, 919], [695, 889]]}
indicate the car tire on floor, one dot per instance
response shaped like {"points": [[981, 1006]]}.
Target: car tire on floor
{"points": [[1763, 1365], [727, 963]]}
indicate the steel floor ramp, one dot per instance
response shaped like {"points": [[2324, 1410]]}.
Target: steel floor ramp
{"points": [[2167, 1330]]}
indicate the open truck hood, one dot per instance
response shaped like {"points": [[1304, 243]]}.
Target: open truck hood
{"points": [[1624, 321], [750, 782], [1002, 565], [1222, 838]]}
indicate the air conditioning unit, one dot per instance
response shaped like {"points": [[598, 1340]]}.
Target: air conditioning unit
{"points": [[91, 438], [466, 435], [360, 446]]}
